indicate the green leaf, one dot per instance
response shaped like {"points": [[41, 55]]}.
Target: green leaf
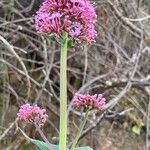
{"points": [[71, 44], [83, 148], [136, 130], [40, 144], [44, 146]]}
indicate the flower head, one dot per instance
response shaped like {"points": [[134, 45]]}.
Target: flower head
{"points": [[89, 101], [76, 17], [32, 114]]}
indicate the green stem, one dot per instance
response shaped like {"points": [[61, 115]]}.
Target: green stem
{"points": [[80, 130], [63, 94], [44, 137]]}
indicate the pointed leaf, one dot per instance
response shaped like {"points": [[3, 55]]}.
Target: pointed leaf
{"points": [[40, 144], [44, 146]]}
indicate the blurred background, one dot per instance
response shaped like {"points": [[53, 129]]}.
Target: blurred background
{"points": [[117, 65]]}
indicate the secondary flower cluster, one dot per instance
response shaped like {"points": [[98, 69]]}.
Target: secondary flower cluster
{"points": [[32, 114], [89, 101], [76, 17]]}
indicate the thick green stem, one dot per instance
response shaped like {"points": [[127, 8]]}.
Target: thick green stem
{"points": [[80, 131], [63, 94]]}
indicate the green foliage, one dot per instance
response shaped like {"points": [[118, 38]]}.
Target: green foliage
{"points": [[71, 44], [136, 130], [138, 124], [44, 146]]}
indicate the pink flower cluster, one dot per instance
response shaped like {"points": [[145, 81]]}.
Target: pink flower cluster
{"points": [[89, 101], [76, 17], [32, 114]]}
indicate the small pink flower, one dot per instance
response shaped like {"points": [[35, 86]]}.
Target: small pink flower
{"points": [[76, 17], [75, 30], [89, 101], [32, 114]]}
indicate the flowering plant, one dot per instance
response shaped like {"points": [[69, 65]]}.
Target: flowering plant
{"points": [[76, 17], [89, 101], [33, 114], [70, 20]]}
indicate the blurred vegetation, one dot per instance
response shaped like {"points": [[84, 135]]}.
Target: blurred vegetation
{"points": [[117, 65]]}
